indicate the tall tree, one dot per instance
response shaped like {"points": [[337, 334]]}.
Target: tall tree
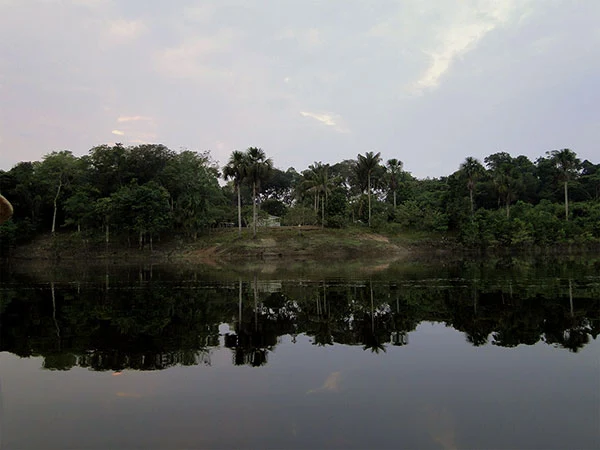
{"points": [[367, 165], [192, 181], [506, 178], [143, 209], [236, 169], [108, 167], [258, 169], [393, 173], [568, 166], [471, 169], [318, 181], [56, 172]]}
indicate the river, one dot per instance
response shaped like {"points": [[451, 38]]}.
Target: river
{"points": [[498, 353]]}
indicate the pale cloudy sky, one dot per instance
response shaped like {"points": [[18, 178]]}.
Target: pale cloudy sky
{"points": [[426, 81]]}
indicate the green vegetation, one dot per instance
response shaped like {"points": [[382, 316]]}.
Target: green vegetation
{"points": [[134, 196]]}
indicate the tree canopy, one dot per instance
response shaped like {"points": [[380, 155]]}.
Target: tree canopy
{"points": [[139, 193]]}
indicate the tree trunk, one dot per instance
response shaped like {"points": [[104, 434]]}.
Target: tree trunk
{"points": [[254, 209], [372, 308], [240, 305], [571, 297], [54, 311], [56, 206], [239, 210], [471, 197], [369, 195], [566, 202], [255, 302], [394, 199], [323, 214], [507, 209]]}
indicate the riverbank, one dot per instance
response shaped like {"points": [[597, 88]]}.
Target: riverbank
{"points": [[283, 245], [287, 243]]}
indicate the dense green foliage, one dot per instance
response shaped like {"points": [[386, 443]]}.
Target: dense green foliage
{"points": [[137, 194]]}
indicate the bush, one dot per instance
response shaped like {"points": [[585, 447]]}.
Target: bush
{"points": [[337, 221], [300, 215], [274, 207]]}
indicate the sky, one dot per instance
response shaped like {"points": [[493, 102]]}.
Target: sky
{"points": [[428, 82]]}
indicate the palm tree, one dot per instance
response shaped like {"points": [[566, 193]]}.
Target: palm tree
{"points": [[393, 171], [568, 164], [236, 170], [258, 168], [471, 169], [318, 181], [505, 176], [367, 165]]}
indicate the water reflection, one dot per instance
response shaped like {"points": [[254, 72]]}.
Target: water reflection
{"points": [[152, 319]]}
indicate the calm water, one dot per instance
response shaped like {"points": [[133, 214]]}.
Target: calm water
{"points": [[496, 354]]}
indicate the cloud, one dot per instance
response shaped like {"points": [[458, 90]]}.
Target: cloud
{"points": [[329, 119], [122, 119], [118, 132], [122, 29], [331, 384], [196, 57], [91, 3], [199, 13], [464, 31], [431, 36], [307, 39], [457, 41]]}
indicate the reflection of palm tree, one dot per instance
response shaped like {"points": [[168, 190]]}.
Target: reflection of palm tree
{"points": [[477, 337], [54, 312], [371, 340], [323, 334]]}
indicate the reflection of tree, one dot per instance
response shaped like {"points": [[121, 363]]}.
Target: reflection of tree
{"points": [[322, 323], [371, 339], [59, 361], [256, 333], [155, 323], [572, 329], [471, 317], [404, 316]]}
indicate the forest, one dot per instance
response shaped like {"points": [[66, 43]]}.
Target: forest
{"points": [[132, 195]]}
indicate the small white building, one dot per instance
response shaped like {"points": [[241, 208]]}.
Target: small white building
{"points": [[270, 221]]}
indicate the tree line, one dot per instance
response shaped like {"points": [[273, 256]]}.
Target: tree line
{"points": [[136, 194]]}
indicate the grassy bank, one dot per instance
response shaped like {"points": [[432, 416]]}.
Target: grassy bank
{"points": [[294, 243]]}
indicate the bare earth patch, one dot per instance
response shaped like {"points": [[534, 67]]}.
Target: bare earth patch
{"points": [[375, 237]]}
